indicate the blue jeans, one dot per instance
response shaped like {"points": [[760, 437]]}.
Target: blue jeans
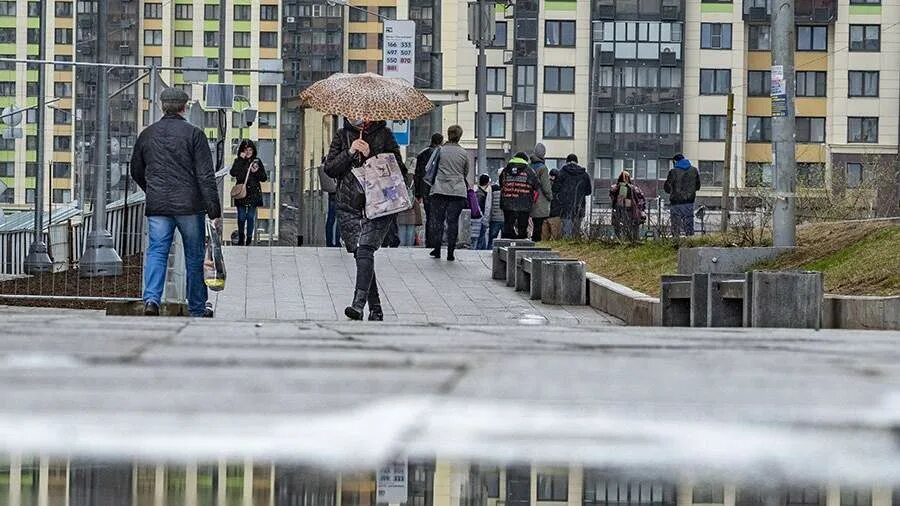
{"points": [[246, 221], [332, 239], [161, 230], [682, 218], [496, 228], [407, 235]]}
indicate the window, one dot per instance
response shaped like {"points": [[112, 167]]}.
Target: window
{"points": [[268, 13], [242, 13], [806, 496], [62, 35], [61, 143], [30, 142], [759, 129], [267, 120], [669, 123], [811, 84], [758, 174], [358, 40], [268, 39], [759, 38], [153, 11], [63, 57], [242, 90], [715, 35], [865, 38], [526, 84], [811, 175], [61, 117], [499, 41], [8, 8], [559, 125], [62, 196], [8, 196], [268, 93], [559, 34], [865, 2], [7, 169], [184, 38], [496, 124], [62, 89], [711, 174], [184, 11], [33, 35], [8, 35], [861, 129], [812, 38], [525, 121], [241, 39], [7, 88], [759, 83], [559, 79], [32, 89], [496, 80], [210, 12], [152, 37], [241, 63], [62, 170], [357, 66], [29, 195], [854, 179], [810, 130], [712, 128], [64, 9], [492, 476], [34, 9], [211, 38], [553, 487], [863, 83], [358, 15], [670, 77], [31, 169], [388, 12], [715, 81], [598, 490]]}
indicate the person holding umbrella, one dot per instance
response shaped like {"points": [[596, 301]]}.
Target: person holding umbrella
{"points": [[366, 101]]}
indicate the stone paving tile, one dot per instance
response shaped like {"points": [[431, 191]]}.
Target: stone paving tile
{"points": [[317, 283]]}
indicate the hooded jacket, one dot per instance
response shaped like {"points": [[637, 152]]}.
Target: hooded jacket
{"points": [[572, 185], [541, 207], [518, 184], [254, 189], [339, 163], [682, 183], [172, 163]]}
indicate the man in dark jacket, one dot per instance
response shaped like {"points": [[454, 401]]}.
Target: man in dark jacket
{"points": [[351, 147], [572, 185], [422, 190], [682, 184], [518, 191], [172, 163]]}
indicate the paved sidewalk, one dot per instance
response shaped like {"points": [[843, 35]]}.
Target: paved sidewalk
{"points": [[317, 284]]}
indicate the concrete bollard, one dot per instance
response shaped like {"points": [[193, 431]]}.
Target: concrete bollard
{"points": [[523, 278], [511, 259], [785, 299], [725, 300], [498, 255], [563, 283], [675, 298]]}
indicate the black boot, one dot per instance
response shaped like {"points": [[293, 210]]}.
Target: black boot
{"points": [[376, 314], [436, 253], [355, 310], [450, 256]]}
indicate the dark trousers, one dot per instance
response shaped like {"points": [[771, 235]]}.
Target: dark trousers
{"points": [[515, 224], [538, 225], [332, 239], [246, 216], [445, 211], [429, 217]]}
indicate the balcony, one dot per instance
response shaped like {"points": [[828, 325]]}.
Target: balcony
{"points": [[806, 12], [665, 10]]}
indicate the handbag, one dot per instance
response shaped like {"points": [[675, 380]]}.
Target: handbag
{"points": [[327, 183], [473, 204], [239, 191], [431, 167]]}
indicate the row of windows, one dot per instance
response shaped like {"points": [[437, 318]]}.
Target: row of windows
{"points": [[556, 80], [807, 130], [866, 38], [638, 123], [557, 125], [59, 196], [361, 16], [862, 83], [185, 38], [61, 170], [210, 12]]}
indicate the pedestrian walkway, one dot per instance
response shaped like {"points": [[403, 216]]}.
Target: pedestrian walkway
{"points": [[317, 283]]}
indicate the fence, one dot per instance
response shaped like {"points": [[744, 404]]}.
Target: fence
{"points": [[313, 210]]}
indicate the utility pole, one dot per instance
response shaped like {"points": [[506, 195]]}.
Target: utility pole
{"points": [[38, 259], [437, 67], [481, 32], [100, 257], [726, 172], [223, 115], [783, 126]]}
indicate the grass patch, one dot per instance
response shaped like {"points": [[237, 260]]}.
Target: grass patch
{"points": [[857, 258]]}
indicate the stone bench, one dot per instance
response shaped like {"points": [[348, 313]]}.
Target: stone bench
{"points": [[512, 256], [523, 278], [498, 256], [675, 298], [531, 273], [717, 299], [563, 282]]}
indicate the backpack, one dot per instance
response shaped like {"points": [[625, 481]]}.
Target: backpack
{"points": [[432, 166]]}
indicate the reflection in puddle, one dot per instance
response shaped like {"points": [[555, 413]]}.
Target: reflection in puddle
{"points": [[73, 482]]}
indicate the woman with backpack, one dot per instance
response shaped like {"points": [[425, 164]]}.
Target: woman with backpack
{"points": [[249, 171], [628, 208]]}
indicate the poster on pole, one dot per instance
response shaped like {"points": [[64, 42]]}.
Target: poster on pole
{"points": [[401, 131], [779, 92], [392, 482], [399, 50]]}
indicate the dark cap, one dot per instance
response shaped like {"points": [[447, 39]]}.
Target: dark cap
{"points": [[173, 95], [678, 157]]}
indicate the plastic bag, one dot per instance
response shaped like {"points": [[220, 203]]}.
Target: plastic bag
{"points": [[214, 262]]}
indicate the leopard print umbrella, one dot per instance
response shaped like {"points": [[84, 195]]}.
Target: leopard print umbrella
{"points": [[369, 97]]}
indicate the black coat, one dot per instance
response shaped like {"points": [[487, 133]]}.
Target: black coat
{"points": [[339, 163], [420, 189], [572, 185], [254, 189], [172, 163]]}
